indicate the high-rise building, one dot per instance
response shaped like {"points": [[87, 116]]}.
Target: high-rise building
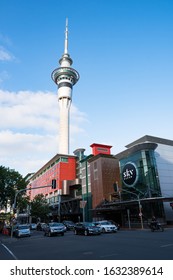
{"points": [[65, 77]]}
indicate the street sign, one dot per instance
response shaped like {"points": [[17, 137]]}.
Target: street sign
{"points": [[82, 203]]}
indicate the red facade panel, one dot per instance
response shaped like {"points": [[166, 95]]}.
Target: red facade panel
{"points": [[100, 149], [62, 170], [67, 171]]}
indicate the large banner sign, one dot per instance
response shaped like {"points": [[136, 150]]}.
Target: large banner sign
{"points": [[130, 174]]}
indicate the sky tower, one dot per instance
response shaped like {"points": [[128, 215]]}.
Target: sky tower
{"points": [[65, 77]]}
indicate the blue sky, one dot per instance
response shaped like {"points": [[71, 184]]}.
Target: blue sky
{"points": [[122, 50]]}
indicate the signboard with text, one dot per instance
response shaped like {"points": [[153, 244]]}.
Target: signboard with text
{"points": [[130, 174]]}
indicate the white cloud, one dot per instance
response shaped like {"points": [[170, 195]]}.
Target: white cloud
{"points": [[29, 129], [5, 55], [28, 110]]}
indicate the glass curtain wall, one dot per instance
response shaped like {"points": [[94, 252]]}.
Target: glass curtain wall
{"points": [[145, 186]]}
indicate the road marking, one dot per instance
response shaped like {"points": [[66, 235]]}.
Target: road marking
{"points": [[167, 245], [110, 255], [9, 251], [88, 253]]}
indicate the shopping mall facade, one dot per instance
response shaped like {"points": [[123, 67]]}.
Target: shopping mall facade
{"points": [[129, 187]]}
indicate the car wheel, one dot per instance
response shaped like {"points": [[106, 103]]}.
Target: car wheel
{"points": [[103, 230], [62, 234], [75, 232], [85, 232]]}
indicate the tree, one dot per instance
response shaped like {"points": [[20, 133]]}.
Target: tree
{"points": [[23, 202], [39, 207], [10, 182]]}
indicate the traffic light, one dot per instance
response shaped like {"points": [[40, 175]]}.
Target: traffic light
{"points": [[53, 184], [115, 186]]}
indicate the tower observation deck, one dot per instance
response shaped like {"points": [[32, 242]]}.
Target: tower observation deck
{"points": [[65, 78]]}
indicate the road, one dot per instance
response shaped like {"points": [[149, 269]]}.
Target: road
{"points": [[123, 245]]}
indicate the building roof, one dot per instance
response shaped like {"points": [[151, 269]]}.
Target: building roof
{"points": [[100, 145], [50, 163], [153, 139], [133, 149]]}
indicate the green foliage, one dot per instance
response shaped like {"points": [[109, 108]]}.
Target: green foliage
{"points": [[39, 207], [22, 202], [10, 182]]}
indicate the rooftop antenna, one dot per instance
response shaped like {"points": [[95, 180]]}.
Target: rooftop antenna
{"points": [[66, 38]]}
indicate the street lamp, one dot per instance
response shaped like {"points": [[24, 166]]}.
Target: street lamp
{"points": [[26, 189], [139, 205], [15, 198], [59, 205]]}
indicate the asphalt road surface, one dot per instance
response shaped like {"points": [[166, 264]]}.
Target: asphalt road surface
{"points": [[123, 245]]}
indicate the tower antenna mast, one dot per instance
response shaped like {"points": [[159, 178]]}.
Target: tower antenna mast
{"points": [[65, 77], [66, 38]]}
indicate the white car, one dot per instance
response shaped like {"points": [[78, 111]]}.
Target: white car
{"points": [[22, 230], [106, 226], [54, 229]]}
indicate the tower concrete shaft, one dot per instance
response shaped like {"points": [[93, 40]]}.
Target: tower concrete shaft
{"points": [[65, 77]]}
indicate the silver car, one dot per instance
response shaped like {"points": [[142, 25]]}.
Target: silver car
{"points": [[22, 230], [54, 229], [106, 226]]}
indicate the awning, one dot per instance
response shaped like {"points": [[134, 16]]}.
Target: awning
{"points": [[118, 204]]}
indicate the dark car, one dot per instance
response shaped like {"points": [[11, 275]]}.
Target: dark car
{"points": [[86, 228], [69, 225], [54, 229]]}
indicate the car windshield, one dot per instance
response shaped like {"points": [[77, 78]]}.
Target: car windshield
{"points": [[89, 224], [55, 224], [23, 227], [69, 222], [105, 223], [43, 225]]}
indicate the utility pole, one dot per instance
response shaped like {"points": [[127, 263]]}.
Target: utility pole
{"points": [[139, 206], [59, 206], [26, 189], [15, 199]]}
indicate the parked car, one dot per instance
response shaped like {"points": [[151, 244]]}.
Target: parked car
{"points": [[33, 226], [54, 229], [69, 225], [106, 226], [86, 228], [22, 230], [41, 226], [114, 223]]}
